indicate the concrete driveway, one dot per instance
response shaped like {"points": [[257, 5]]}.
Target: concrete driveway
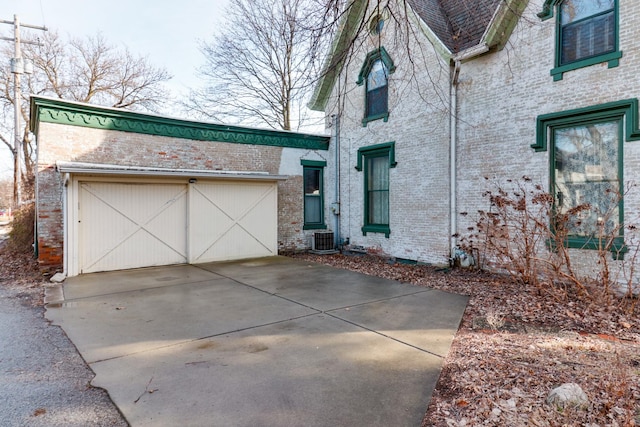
{"points": [[263, 342]]}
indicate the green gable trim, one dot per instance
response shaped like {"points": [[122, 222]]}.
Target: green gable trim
{"points": [[627, 108], [314, 163], [372, 149], [91, 116], [504, 22], [352, 24], [372, 57]]}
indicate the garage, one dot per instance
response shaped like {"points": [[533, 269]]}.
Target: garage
{"points": [[120, 218]]}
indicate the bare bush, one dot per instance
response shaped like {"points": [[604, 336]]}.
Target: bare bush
{"points": [[524, 234]]}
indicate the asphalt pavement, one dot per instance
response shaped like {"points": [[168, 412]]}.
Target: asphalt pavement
{"points": [[43, 379]]}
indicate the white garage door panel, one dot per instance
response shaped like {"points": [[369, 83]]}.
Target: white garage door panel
{"points": [[129, 225], [233, 220]]}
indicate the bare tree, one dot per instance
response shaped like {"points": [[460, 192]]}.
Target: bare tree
{"points": [[261, 66], [85, 70]]}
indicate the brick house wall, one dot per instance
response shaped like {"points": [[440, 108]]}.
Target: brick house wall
{"points": [[418, 123], [500, 95], [77, 143]]}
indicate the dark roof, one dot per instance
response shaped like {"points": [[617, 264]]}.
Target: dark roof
{"points": [[459, 24]]}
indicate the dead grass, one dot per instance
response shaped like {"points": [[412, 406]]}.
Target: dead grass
{"points": [[515, 344]]}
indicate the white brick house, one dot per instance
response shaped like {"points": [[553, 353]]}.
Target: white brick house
{"points": [[491, 88], [117, 189]]}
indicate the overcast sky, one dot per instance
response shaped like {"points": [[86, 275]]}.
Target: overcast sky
{"points": [[165, 31]]}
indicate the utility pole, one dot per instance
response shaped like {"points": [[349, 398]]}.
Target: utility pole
{"points": [[18, 67]]}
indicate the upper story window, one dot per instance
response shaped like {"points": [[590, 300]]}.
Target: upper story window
{"points": [[376, 25], [586, 33], [374, 74], [377, 90], [587, 29]]}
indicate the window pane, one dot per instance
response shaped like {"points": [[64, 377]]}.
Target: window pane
{"points": [[588, 38], [313, 196], [575, 10], [377, 101], [377, 76], [586, 173], [312, 213], [378, 189], [311, 181]]}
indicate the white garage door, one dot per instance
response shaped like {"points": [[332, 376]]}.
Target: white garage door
{"points": [[232, 220], [129, 225]]}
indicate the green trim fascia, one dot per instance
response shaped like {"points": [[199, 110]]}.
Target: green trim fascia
{"points": [[91, 116], [440, 48], [383, 116], [627, 108], [389, 147], [313, 163], [373, 56], [376, 229], [504, 22], [613, 59], [351, 25]]}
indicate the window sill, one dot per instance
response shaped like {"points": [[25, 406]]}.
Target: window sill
{"points": [[613, 58], [314, 227], [617, 249], [376, 229], [383, 116]]}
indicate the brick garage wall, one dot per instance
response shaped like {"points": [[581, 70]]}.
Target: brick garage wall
{"points": [[79, 144], [501, 94]]}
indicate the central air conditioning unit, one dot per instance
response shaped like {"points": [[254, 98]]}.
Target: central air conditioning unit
{"points": [[322, 241]]}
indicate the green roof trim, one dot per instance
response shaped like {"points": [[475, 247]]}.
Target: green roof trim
{"points": [[349, 29], [627, 108], [504, 22], [48, 110]]}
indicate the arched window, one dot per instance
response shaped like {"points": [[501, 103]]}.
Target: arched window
{"points": [[374, 74], [377, 90]]}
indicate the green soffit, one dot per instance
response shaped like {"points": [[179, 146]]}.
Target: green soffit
{"points": [[92, 116]]}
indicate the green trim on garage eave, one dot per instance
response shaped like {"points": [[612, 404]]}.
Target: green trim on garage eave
{"points": [[48, 110]]}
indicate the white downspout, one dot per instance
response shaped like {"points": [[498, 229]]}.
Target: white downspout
{"points": [[453, 127], [336, 205], [465, 55]]}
